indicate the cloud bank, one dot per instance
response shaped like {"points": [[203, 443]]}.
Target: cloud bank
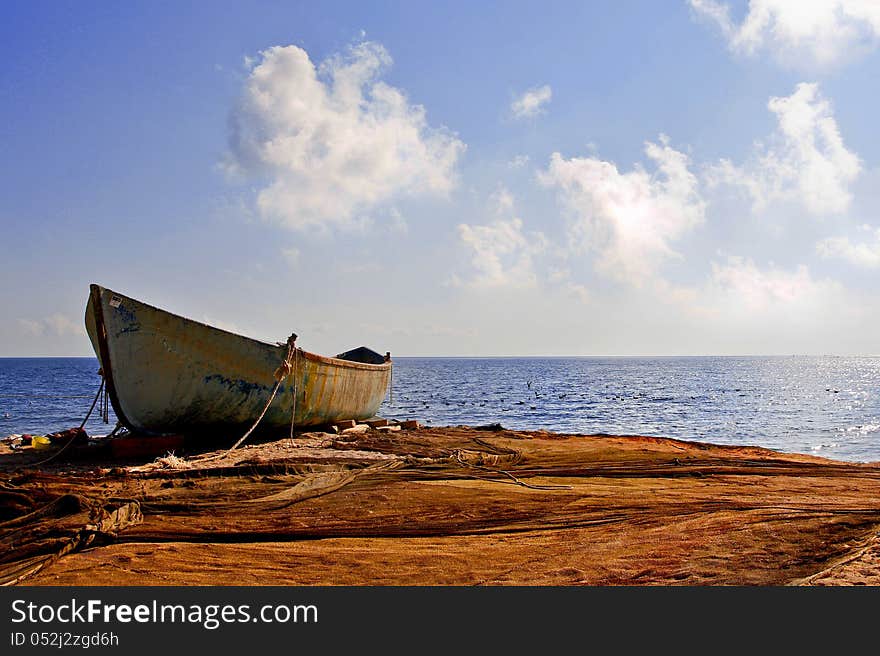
{"points": [[740, 285]]}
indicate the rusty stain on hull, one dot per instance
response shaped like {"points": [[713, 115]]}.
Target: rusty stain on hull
{"points": [[170, 374]]}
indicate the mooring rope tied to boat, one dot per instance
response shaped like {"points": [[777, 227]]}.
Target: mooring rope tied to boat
{"points": [[293, 409], [283, 371], [81, 426], [105, 414]]}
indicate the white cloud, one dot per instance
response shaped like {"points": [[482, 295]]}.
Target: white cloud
{"points": [[628, 219], [60, 324], [518, 162], [864, 254], [532, 102], [806, 160], [743, 307], [817, 33], [32, 328], [502, 201], [56, 325], [561, 277], [333, 141], [739, 283], [739, 290], [502, 255]]}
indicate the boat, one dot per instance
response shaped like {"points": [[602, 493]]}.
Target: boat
{"points": [[167, 374]]}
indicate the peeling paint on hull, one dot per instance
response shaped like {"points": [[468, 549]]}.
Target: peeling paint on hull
{"points": [[169, 374]]}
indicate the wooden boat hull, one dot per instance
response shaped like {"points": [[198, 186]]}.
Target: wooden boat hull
{"points": [[168, 374]]}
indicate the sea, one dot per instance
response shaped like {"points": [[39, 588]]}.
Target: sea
{"points": [[825, 406]]}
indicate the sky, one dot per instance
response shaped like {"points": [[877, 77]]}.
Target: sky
{"points": [[687, 177]]}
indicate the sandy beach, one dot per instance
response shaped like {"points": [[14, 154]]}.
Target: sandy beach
{"points": [[443, 506]]}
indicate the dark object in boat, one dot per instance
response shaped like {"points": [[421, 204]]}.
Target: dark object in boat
{"points": [[362, 354]]}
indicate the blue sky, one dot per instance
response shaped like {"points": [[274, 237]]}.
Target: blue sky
{"points": [[626, 178]]}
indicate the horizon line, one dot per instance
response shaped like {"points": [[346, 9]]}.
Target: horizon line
{"points": [[545, 357]]}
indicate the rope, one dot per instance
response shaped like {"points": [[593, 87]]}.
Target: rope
{"points": [[259, 419], [70, 441], [97, 396], [106, 413], [513, 478], [391, 382], [282, 372], [293, 411]]}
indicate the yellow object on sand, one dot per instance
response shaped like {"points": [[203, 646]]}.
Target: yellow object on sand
{"points": [[40, 442]]}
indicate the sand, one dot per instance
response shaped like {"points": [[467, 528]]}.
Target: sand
{"points": [[444, 506]]}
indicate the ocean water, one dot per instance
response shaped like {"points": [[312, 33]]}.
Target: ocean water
{"points": [[44, 395], [827, 406]]}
